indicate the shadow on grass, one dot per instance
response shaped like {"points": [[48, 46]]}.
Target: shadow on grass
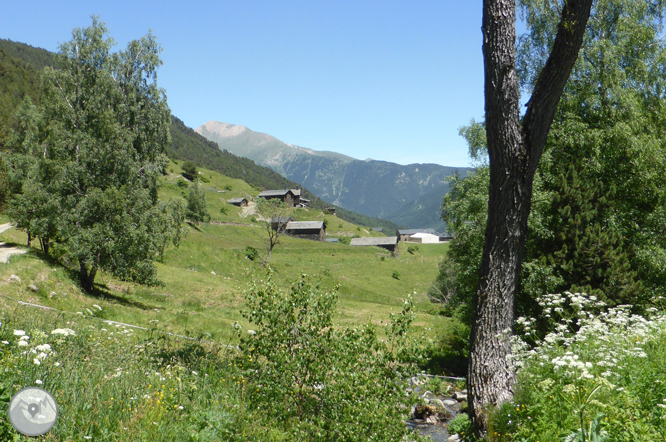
{"points": [[103, 292]]}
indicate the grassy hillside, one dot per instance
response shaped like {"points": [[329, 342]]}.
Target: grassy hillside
{"points": [[206, 275], [188, 145], [20, 66]]}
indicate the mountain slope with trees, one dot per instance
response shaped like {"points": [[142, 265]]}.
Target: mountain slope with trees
{"points": [[374, 188], [20, 70]]}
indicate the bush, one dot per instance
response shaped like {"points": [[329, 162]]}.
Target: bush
{"points": [[190, 170], [251, 253], [461, 425], [182, 184], [227, 187], [395, 274], [204, 179], [412, 249], [323, 382]]}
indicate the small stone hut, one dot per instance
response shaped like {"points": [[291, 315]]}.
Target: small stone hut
{"points": [[240, 202], [315, 230]]}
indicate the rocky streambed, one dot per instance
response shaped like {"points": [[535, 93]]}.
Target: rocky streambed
{"points": [[441, 400]]}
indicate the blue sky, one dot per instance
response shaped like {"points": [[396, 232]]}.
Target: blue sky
{"points": [[386, 80]]}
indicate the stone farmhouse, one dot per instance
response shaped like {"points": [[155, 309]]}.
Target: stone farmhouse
{"points": [[290, 197], [315, 230]]}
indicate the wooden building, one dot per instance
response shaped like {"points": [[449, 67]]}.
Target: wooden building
{"points": [[290, 197], [315, 230]]}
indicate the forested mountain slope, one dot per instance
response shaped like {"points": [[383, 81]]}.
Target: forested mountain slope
{"points": [[20, 67]]}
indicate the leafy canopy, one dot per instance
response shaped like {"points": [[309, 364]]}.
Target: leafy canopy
{"points": [[86, 162]]}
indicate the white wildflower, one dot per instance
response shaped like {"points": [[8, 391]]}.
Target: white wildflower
{"points": [[19, 333], [43, 347]]}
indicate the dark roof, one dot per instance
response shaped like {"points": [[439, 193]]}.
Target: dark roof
{"points": [[237, 200], [388, 241], [280, 219], [296, 192], [283, 192], [305, 225]]}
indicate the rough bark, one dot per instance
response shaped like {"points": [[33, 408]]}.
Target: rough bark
{"points": [[514, 150]]}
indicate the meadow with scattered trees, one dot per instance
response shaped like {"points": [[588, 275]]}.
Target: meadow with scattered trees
{"points": [[553, 287]]}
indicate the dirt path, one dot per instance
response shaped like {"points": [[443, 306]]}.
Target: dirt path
{"points": [[5, 250]]}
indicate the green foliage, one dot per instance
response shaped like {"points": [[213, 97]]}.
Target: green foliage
{"points": [[597, 375], [190, 170], [86, 162], [18, 81], [412, 249], [228, 187], [37, 57], [196, 209], [320, 382], [395, 274], [461, 425], [251, 253], [597, 218], [182, 184]]}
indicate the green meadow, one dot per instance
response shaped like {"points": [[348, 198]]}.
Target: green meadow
{"points": [[205, 277]]}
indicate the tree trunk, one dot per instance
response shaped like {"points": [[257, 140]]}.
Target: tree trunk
{"points": [[514, 151], [86, 277], [268, 255]]}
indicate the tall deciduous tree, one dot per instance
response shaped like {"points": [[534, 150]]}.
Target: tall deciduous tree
{"points": [[514, 148], [97, 158]]}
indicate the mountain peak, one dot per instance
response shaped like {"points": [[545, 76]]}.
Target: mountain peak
{"points": [[224, 130]]}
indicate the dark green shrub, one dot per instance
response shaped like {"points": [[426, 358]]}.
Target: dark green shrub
{"points": [[251, 253], [189, 170], [395, 274]]}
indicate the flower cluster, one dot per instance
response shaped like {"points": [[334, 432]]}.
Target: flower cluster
{"points": [[585, 341]]}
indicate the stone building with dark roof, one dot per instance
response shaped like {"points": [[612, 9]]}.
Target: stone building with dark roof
{"points": [[240, 202], [290, 197], [315, 230]]}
